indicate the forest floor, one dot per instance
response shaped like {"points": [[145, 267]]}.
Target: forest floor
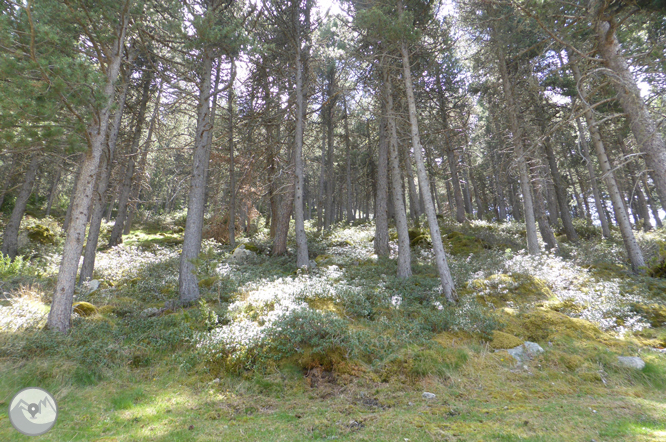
{"points": [[346, 350]]}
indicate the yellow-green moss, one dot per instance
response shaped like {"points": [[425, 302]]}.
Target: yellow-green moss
{"points": [[208, 282], [655, 313], [84, 309], [321, 258], [461, 244], [542, 324], [503, 341], [498, 290], [41, 234]]}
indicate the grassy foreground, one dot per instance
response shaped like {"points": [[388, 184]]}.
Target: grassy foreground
{"points": [[346, 351]]}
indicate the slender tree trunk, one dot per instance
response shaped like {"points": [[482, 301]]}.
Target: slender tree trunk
{"points": [[381, 210], [322, 176], [598, 202], [651, 203], [630, 244], [330, 171], [350, 214], [282, 224], [404, 252], [61, 306], [10, 235], [232, 174], [436, 237], [516, 132], [188, 283], [648, 137], [560, 192], [302, 259], [77, 176], [126, 188], [99, 200], [540, 212]]}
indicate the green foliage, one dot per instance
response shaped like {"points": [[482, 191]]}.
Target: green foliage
{"points": [[17, 267]]}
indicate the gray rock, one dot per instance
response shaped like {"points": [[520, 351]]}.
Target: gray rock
{"points": [[242, 254], [93, 285], [526, 351], [428, 396], [631, 362], [150, 312], [313, 264]]}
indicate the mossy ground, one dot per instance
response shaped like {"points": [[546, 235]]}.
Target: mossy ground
{"points": [[367, 346]]}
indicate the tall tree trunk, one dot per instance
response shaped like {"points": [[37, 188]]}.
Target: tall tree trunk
{"points": [[188, 283], [630, 244], [61, 307], [651, 203], [77, 176], [516, 132], [302, 259], [10, 235], [330, 166], [598, 202], [350, 214], [560, 192], [540, 212], [381, 202], [99, 198], [232, 174], [648, 137], [404, 252], [126, 188], [636, 190], [424, 184], [322, 175]]}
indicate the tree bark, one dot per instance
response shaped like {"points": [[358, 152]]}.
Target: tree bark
{"points": [[232, 174], [99, 199], [10, 235], [560, 192], [126, 188], [188, 284], [516, 132], [648, 137], [424, 184], [598, 202], [61, 306], [302, 259], [381, 204], [630, 244], [404, 252], [348, 209]]}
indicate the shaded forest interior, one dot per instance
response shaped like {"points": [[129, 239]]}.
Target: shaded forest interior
{"points": [[355, 202]]}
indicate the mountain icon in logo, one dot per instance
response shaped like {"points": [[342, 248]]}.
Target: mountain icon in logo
{"points": [[33, 411]]}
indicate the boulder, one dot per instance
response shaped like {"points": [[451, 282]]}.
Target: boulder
{"points": [[428, 396], [241, 253], [631, 362], [503, 341], [526, 351], [84, 309]]}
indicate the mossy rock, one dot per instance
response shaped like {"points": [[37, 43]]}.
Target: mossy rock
{"points": [[422, 240], [461, 244], [106, 309], [178, 229], [498, 290], [655, 313], [504, 341], [41, 234], [84, 309], [252, 247], [542, 324]]}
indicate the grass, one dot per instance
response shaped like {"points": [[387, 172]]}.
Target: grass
{"points": [[346, 351]]}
